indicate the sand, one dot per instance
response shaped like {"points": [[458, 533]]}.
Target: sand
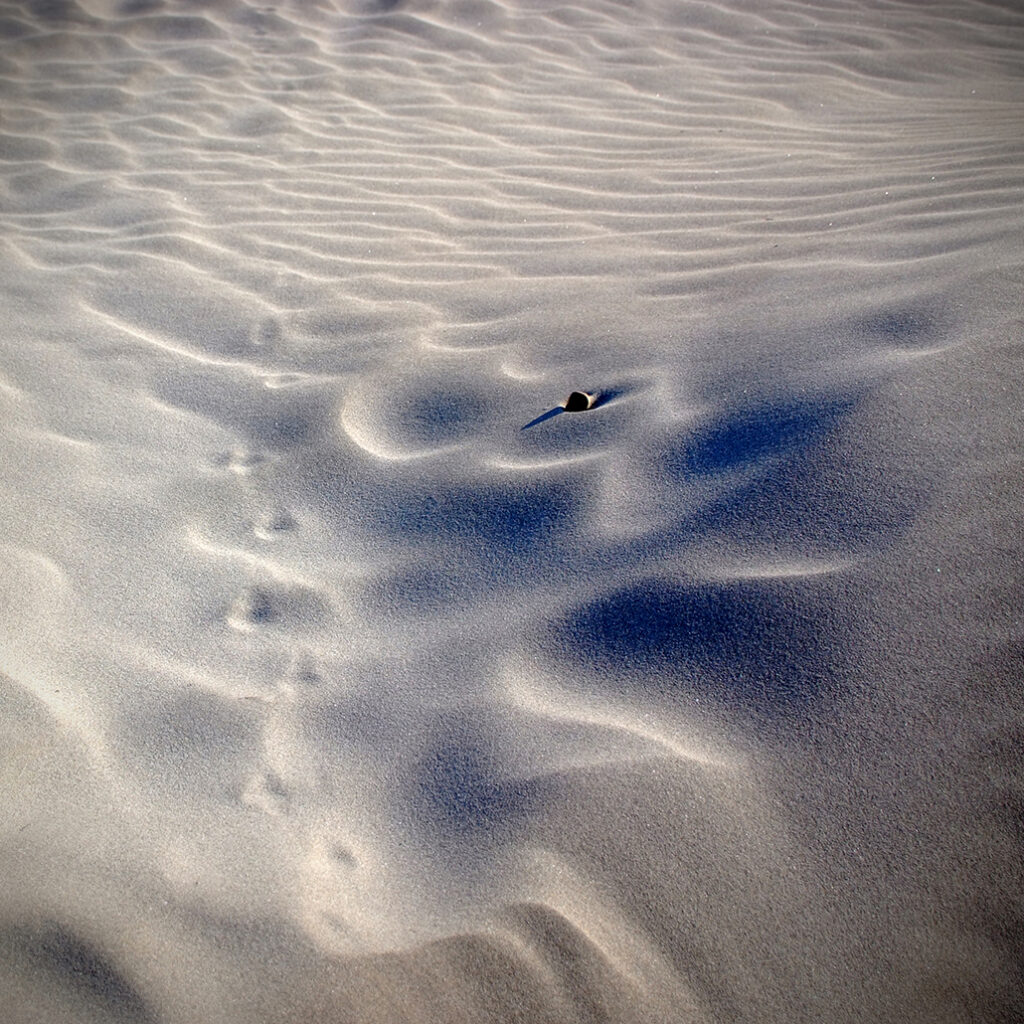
{"points": [[347, 678]]}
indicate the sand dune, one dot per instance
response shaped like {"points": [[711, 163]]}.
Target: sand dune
{"points": [[345, 677]]}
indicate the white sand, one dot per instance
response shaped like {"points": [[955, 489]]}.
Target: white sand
{"points": [[329, 693]]}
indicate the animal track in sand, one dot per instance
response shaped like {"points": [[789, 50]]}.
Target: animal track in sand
{"points": [[267, 333], [305, 672], [267, 793], [274, 526], [345, 857], [253, 607], [259, 606], [239, 461]]}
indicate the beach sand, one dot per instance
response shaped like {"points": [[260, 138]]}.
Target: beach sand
{"points": [[348, 678]]}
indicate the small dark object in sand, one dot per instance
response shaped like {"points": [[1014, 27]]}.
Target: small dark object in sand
{"points": [[579, 401]]}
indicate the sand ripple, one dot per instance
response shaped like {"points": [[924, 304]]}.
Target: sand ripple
{"points": [[346, 675]]}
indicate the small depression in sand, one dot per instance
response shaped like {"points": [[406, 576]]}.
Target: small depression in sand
{"points": [[400, 418], [260, 606]]}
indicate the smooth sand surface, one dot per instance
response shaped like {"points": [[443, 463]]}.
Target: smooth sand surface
{"points": [[345, 677]]}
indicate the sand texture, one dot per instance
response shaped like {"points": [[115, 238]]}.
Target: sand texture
{"points": [[347, 679]]}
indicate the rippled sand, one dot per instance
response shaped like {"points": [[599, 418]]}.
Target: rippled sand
{"points": [[345, 678]]}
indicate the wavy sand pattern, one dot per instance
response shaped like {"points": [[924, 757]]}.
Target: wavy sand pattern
{"points": [[331, 693]]}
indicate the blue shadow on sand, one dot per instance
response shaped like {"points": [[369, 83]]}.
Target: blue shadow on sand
{"points": [[550, 414], [75, 972], [748, 435], [762, 643], [459, 792], [807, 486], [505, 515]]}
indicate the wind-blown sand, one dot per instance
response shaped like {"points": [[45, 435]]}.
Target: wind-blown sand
{"points": [[332, 694]]}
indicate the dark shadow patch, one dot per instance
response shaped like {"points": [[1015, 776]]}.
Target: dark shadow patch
{"points": [[12, 29], [835, 504], [440, 416], [137, 7], [422, 590], [55, 12], [556, 411], [264, 21], [457, 789], [63, 960], [278, 524], [378, 8], [510, 518], [608, 396], [748, 435], [257, 606], [754, 642], [260, 606], [902, 327], [826, 486], [175, 28]]}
